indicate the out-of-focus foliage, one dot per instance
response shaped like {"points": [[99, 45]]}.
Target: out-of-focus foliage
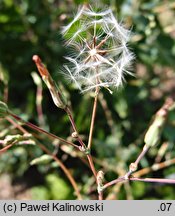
{"points": [[31, 27], [54, 188]]}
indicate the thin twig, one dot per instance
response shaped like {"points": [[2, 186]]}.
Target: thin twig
{"points": [[5, 148], [16, 125], [65, 170], [60, 102], [133, 166], [115, 181], [91, 163], [142, 154], [156, 180], [100, 195], [69, 113], [89, 157], [41, 130], [93, 119], [162, 114], [123, 179]]}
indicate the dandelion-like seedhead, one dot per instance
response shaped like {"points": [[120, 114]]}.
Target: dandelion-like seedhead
{"points": [[100, 56]]}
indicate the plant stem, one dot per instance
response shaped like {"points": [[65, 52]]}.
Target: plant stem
{"points": [[121, 179], [93, 119], [65, 170], [41, 130], [69, 113], [156, 180], [141, 155], [16, 125], [100, 196], [5, 148], [91, 164], [89, 157], [135, 164]]}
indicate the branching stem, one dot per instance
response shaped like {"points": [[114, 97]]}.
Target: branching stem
{"points": [[65, 170]]}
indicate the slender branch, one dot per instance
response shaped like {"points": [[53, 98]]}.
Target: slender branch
{"points": [[156, 180], [100, 195], [5, 148], [61, 102], [16, 125], [53, 136], [8, 146], [34, 127], [123, 179], [91, 164], [153, 134], [69, 113], [65, 170], [133, 166], [115, 181], [89, 157], [142, 154], [93, 119]]}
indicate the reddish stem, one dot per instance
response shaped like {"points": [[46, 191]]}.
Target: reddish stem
{"points": [[68, 111], [156, 180], [5, 148], [41, 130]]}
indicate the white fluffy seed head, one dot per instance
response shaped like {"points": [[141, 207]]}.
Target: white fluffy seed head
{"points": [[101, 56]]}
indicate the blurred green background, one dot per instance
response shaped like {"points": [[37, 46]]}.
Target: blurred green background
{"points": [[29, 27]]}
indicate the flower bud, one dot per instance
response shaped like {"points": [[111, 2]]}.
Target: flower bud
{"points": [[57, 96], [153, 135]]}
